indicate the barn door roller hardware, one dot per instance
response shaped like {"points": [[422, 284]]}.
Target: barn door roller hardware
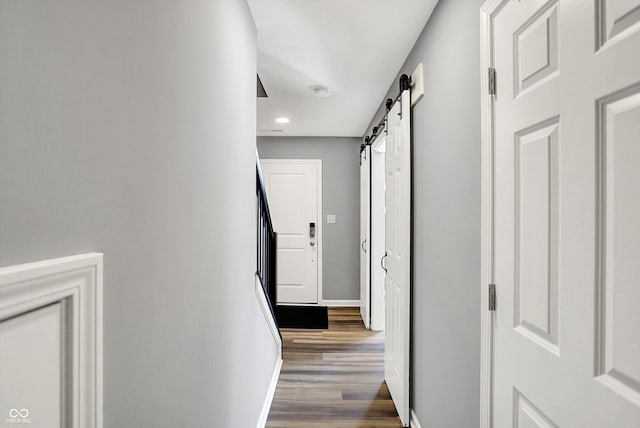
{"points": [[404, 84]]}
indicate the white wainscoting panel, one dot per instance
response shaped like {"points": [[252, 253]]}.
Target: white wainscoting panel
{"points": [[51, 343], [264, 305]]}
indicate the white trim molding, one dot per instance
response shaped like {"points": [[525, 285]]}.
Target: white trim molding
{"points": [[266, 311], [414, 422], [75, 283], [341, 303], [266, 407], [487, 14]]}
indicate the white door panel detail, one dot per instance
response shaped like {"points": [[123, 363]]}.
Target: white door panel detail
{"points": [[398, 254], [563, 161], [293, 193]]}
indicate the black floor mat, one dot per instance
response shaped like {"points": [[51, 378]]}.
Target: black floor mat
{"points": [[302, 316]]}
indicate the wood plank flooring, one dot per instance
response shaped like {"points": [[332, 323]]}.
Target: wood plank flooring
{"points": [[333, 378]]}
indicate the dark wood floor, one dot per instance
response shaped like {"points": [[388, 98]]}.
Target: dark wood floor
{"points": [[333, 378]]}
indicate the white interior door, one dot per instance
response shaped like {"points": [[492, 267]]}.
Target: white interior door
{"points": [[377, 247], [293, 191], [567, 210], [398, 257], [365, 235]]}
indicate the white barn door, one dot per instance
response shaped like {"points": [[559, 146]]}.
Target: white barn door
{"points": [[567, 209], [377, 247], [398, 256], [365, 236]]}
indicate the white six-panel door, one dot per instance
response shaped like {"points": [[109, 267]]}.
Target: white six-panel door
{"points": [[566, 213], [365, 236], [398, 258], [293, 191]]}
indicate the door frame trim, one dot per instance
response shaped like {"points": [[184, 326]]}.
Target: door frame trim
{"points": [[378, 317], [76, 283], [487, 13], [320, 224], [367, 155]]}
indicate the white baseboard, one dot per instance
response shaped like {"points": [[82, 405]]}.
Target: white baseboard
{"points": [[341, 303], [264, 413], [298, 304], [414, 422]]}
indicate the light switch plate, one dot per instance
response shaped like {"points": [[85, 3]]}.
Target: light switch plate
{"points": [[331, 218]]}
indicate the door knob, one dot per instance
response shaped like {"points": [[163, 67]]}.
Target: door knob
{"points": [[382, 262], [312, 243]]}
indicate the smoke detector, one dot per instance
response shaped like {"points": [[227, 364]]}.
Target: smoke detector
{"points": [[321, 91]]}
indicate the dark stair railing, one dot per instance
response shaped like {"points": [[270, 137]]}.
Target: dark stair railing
{"points": [[267, 247]]}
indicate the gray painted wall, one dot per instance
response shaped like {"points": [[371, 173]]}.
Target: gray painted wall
{"points": [[121, 125], [446, 289], [341, 196]]}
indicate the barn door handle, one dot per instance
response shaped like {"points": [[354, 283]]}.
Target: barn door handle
{"points": [[362, 245], [382, 262]]}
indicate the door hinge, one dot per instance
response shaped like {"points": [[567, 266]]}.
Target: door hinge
{"points": [[492, 81], [492, 297]]}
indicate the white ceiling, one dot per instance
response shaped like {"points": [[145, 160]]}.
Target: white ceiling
{"points": [[354, 47]]}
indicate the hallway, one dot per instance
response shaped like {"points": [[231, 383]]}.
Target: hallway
{"points": [[333, 377], [456, 179]]}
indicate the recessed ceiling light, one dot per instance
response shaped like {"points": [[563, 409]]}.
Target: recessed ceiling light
{"points": [[321, 91], [282, 120]]}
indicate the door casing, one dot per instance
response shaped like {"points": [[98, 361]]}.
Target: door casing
{"points": [[365, 236], [486, 208], [71, 289], [377, 233]]}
